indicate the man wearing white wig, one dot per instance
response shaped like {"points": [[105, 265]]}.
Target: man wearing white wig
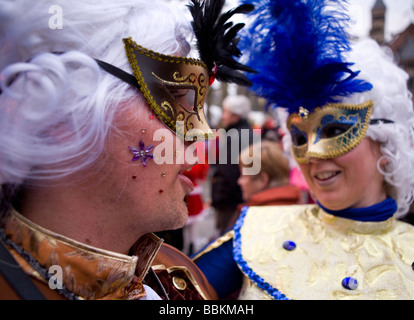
{"points": [[89, 92], [351, 132]]}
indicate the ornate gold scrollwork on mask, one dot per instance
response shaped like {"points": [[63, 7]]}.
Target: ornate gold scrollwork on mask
{"points": [[330, 131]]}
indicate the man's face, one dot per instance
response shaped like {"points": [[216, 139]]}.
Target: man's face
{"points": [[228, 118], [147, 198]]}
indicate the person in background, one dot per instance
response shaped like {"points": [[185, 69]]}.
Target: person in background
{"points": [[92, 93], [271, 129], [271, 185], [226, 194]]}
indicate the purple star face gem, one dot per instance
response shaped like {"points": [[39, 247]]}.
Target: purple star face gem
{"points": [[142, 153]]}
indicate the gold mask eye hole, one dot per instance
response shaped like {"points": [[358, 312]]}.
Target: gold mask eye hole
{"points": [[185, 97], [335, 129], [299, 138]]}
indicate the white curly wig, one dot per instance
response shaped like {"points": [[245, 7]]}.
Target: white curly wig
{"points": [[57, 109], [392, 101]]}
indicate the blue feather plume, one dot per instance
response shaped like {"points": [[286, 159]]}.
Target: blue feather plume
{"points": [[296, 47]]}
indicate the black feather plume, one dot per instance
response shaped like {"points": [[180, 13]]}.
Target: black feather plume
{"points": [[217, 39]]}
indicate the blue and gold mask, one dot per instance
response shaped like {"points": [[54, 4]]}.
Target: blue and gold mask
{"points": [[329, 131]]}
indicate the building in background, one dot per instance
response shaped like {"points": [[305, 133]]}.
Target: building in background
{"points": [[403, 47], [402, 44], [377, 31]]}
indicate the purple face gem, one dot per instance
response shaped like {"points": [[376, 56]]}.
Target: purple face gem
{"points": [[142, 153]]}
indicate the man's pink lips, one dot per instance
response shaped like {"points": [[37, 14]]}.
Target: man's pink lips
{"points": [[186, 181]]}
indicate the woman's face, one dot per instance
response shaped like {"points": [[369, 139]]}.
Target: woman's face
{"points": [[349, 181]]}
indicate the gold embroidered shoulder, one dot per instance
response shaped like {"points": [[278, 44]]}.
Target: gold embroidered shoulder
{"points": [[301, 252], [87, 272]]}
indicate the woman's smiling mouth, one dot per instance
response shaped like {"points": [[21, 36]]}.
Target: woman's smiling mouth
{"points": [[326, 176]]}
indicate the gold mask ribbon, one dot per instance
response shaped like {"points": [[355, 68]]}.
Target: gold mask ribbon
{"points": [[328, 132]]}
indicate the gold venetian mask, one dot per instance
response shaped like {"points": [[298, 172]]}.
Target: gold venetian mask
{"points": [[174, 87], [329, 131]]}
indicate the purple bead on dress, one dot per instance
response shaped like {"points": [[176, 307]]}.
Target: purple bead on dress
{"points": [[142, 153]]}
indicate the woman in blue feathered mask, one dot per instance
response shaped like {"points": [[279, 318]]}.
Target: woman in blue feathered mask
{"points": [[351, 133]]}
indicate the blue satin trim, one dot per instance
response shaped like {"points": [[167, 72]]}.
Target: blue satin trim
{"points": [[247, 270], [378, 212]]}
